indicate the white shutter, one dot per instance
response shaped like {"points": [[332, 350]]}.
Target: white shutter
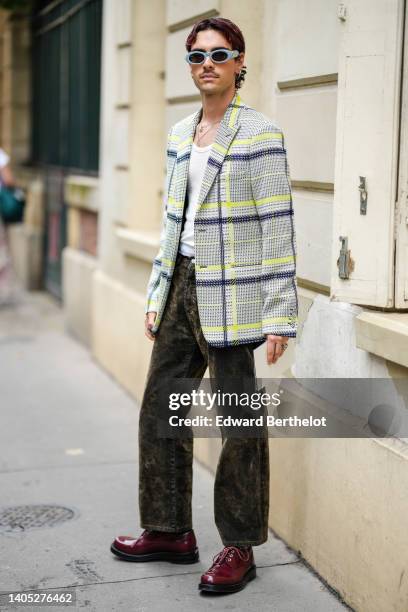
{"points": [[367, 141], [401, 255]]}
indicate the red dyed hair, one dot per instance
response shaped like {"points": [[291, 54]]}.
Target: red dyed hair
{"points": [[231, 33]]}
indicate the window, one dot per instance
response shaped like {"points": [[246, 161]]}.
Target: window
{"points": [[66, 83]]}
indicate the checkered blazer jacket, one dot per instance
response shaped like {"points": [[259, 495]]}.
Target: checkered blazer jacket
{"points": [[244, 233]]}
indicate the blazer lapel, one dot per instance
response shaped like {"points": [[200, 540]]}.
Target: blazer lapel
{"points": [[225, 134], [218, 151], [183, 160]]}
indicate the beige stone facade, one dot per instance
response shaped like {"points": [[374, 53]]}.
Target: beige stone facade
{"points": [[340, 502]]}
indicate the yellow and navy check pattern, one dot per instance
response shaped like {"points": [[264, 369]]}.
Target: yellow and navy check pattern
{"points": [[244, 232]]}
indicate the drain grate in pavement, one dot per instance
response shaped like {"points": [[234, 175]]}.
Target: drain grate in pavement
{"points": [[23, 518]]}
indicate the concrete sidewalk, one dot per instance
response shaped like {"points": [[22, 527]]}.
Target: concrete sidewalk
{"points": [[69, 438]]}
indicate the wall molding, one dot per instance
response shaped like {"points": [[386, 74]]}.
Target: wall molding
{"points": [[180, 25], [313, 186], [140, 245], [184, 99], [312, 286], [313, 81], [82, 192]]}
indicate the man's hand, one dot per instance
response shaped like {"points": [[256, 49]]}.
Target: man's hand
{"points": [[274, 348], [149, 322]]}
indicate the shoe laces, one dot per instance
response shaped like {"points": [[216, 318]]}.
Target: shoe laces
{"points": [[226, 555]]}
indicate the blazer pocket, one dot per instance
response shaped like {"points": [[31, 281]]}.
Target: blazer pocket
{"points": [[236, 174], [235, 170]]}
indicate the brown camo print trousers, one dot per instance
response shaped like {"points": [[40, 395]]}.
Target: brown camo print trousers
{"points": [[241, 487]]}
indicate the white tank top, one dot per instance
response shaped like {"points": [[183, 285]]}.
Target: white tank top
{"points": [[198, 162]]}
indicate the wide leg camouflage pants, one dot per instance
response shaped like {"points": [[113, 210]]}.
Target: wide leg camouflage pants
{"points": [[241, 488]]}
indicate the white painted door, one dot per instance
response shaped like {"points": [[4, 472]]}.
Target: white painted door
{"points": [[401, 220], [367, 143]]}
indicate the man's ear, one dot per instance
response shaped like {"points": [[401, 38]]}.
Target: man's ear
{"points": [[239, 62]]}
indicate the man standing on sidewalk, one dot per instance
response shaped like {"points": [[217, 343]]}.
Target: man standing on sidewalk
{"points": [[223, 282]]}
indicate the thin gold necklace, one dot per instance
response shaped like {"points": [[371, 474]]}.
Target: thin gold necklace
{"points": [[201, 133], [202, 127]]}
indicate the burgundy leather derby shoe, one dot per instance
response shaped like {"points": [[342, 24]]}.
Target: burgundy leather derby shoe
{"points": [[232, 568], [157, 546]]}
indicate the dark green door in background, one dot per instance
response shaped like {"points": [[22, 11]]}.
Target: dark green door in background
{"points": [[66, 52]]}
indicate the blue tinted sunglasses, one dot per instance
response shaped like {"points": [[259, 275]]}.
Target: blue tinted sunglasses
{"points": [[218, 56]]}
